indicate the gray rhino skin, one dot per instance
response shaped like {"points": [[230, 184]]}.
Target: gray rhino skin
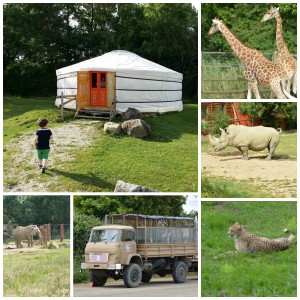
{"points": [[244, 138]]}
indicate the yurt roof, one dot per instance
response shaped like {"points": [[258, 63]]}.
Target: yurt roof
{"points": [[121, 61]]}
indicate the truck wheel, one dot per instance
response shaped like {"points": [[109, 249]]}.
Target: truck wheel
{"points": [[146, 277], [180, 272], [97, 280], [132, 275]]}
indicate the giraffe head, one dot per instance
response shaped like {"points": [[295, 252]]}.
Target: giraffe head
{"points": [[215, 26], [270, 14]]}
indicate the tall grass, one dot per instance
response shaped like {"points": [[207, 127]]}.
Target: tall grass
{"points": [[37, 273], [228, 67], [225, 274]]}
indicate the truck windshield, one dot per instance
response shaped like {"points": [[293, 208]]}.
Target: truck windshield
{"points": [[104, 236]]}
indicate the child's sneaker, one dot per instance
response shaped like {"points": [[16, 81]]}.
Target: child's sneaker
{"points": [[43, 170], [39, 166]]}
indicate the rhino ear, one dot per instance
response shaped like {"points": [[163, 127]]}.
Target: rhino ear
{"points": [[221, 129]]}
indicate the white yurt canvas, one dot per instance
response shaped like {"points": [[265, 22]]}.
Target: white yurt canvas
{"points": [[129, 81]]}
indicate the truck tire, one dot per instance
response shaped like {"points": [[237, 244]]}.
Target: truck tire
{"points": [[97, 280], [180, 272], [132, 275], [146, 277]]}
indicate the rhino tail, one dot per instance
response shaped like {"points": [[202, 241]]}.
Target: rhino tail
{"points": [[279, 130]]}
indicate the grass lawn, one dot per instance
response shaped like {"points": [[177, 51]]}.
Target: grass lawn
{"points": [[37, 273], [165, 161], [225, 274]]}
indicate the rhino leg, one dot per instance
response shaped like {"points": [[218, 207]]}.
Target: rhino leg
{"points": [[244, 151], [272, 146]]}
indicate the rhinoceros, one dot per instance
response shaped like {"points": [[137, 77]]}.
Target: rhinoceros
{"points": [[256, 138]]}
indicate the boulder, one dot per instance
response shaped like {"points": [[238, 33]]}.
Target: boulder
{"points": [[112, 127], [137, 128], [122, 186], [131, 114], [53, 245]]}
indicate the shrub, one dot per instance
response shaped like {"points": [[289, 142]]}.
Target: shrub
{"points": [[219, 119]]}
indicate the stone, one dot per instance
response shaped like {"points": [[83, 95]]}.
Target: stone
{"points": [[111, 127], [131, 114], [122, 186], [137, 128], [53, 245]]}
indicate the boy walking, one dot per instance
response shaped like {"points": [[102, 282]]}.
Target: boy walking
{"points": [[42, 143]]}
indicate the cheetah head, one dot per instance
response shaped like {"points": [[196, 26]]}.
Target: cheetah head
{"points": [[235, 230]]}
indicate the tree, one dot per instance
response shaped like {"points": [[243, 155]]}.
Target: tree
{"points": [[40, 38], [99, 206], [271, 112], [25, 210], [245, 22]]}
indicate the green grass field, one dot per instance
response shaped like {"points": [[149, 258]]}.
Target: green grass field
{"points": [[165, 161], [36, 273], [225, 274]]}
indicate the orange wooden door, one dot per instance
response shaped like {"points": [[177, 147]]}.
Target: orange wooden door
{"points": [[103, 84], [83, 89], [95, 89], [98, 89]]}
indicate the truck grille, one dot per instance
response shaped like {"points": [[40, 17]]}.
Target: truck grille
{"points": [[101, 258]]}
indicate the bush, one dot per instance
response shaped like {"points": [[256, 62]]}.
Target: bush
{"points": [[204, 125], [82, 227], [219, 119]]}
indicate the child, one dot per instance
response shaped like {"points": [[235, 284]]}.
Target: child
{"points": [[41, 142]]}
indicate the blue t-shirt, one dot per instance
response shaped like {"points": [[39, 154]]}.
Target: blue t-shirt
{"points": [[44, 135]]}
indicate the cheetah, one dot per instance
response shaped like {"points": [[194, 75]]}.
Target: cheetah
{"points": [[250, 243]]}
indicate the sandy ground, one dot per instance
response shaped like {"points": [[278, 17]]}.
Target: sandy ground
{"points": [[77, 134], [278, 176]]}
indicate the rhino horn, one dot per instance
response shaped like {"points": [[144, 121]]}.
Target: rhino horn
{"points": [[212, 140]]}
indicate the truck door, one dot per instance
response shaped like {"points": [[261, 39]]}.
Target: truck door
{"points": [[127, 245]]}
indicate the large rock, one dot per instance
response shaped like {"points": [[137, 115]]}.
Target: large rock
{"points": [[122, 186], [137, 128], [53, 245], [131, 114], [112, 127]]}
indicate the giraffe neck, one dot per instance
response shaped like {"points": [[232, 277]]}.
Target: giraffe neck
{"points": [[280, 44], [236, 45]]}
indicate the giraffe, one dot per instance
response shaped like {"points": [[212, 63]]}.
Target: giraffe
{"points": [[284, 58], [258, 69]]}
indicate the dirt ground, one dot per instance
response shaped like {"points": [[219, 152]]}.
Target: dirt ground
{"points": [[65, 138], [276, 177], [12, 249]]}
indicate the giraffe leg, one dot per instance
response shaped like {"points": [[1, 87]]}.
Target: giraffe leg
{"points": [[255, 90], [249, 95], [276, 87]]}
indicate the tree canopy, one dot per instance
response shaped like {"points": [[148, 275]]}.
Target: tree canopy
{"points": [[270, 112], [99, 206], [40, 38], [245, 22], [38, 210]]}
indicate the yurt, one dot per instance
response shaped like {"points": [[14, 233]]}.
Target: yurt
{"points": [[118, 80]]}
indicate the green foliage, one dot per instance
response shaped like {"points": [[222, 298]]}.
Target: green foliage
{"points": [[25, 210], [247, 275], [42, 37], [270, 112], [245, 22], [82, 225], [204, 125], [219, 119], [100, 206]]}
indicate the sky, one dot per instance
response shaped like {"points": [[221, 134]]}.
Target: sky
{"points": [[191, 203]]}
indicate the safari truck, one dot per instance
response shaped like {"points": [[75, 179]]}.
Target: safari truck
{"points": [[134, 247]]}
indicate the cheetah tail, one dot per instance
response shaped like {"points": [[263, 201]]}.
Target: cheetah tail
{"points": [[291, 237]]}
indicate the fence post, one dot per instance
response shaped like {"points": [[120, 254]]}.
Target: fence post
{"points": [[62, 106], [48, 231], [62, 233]]}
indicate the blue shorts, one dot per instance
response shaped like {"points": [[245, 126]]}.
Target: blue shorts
{"points": [[43, 154]]}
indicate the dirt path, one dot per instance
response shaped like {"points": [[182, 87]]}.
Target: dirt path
{"points": [[21, 173], [277, 177]]}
